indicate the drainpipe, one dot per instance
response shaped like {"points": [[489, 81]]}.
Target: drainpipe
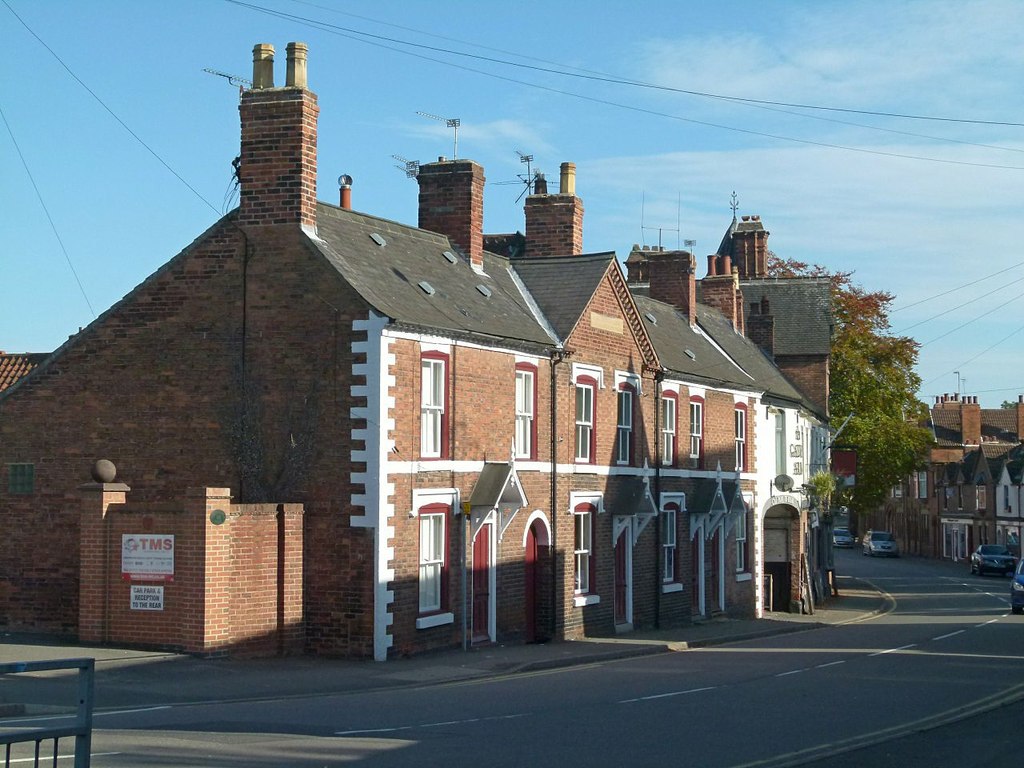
{"points": [[658, 566], [557, 356]]}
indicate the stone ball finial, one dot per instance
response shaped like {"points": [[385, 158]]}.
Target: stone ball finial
{"points": [[104, 471]]}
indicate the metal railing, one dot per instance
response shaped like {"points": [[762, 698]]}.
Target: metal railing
{"points": [[36, 735]]}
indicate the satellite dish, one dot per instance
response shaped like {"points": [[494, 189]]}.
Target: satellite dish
{"points": [[784, 483]]}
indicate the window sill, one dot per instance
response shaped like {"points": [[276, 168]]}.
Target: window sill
{"points": [[581, 600], [435, 620], [744, 576], [669, 588]]}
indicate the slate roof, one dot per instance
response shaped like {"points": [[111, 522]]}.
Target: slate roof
{"points": [[389, 277], [802, 310], [15, 366], [743, 364], [562, 286], [998, 425]]}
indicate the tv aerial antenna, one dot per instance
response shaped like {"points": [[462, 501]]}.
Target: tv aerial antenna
{"points": [[529, 179], [411, 168], [660, 230], [241, 82], [451, 122]]}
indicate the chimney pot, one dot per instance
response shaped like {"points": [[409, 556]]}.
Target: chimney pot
{"points": [[567, 179], [295, 76], [540, 184], [745, 218], [262, 66], [345, 183]]}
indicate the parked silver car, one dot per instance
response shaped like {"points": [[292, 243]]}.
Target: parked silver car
{"points": [[841, 537], [881, 543]]}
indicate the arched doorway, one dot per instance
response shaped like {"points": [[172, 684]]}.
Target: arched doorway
{"points": [[781, 551], [536, 543]]}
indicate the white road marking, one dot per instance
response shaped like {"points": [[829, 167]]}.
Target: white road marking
{"points": [[428, 725], [831, 664], [894, 650], [791, 672], [949, 635], [667, 695]]}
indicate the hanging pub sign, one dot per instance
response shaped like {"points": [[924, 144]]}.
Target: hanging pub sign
{"points": [[147, 557], [844, 466]]}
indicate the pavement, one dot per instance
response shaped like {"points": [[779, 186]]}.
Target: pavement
{"points": [[127, 678]]}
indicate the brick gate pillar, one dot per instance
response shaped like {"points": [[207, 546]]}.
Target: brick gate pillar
{"points": [[98, 558]]}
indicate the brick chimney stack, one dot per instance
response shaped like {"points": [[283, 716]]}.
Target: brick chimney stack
{"points": [[970, 421], [722, 291], [1020, 418], [761, 326], [277, 172], [452, 203], [554, 223], [749, 249], [673, 280]]}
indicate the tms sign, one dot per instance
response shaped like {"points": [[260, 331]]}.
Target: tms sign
{"points": [[147, 557]]}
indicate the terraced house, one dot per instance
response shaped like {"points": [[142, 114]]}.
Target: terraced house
{"points": [[341, 434]]}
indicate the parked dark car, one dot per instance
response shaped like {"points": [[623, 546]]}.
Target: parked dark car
{"points": [[841, 537], [992, 558], [881, 543], [1017, 590]]}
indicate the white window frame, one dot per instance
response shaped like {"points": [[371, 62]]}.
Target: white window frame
{"points": [[780, 442], [583, 551], [432, 562], [669, 422], [624, 424], [669, 548], [584, 422], [526, 395], [741, 542], [433, 373], [740, 419], [696, 431]]}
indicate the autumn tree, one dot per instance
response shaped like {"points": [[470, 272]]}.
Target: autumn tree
{"points": [[872, 383]]}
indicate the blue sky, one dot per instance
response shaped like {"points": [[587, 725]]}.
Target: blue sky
{"points": [[927, 210]]}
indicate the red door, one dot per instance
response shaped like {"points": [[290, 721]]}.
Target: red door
{"points": [[695, 566], [620, 579], [714, 567], [481, 584], [530, 585]]}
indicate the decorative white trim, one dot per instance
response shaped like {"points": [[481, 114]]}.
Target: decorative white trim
{"points": [[441, 341], [545, 523], [667, 589], [422, 497], [596, 498], [672, 497], [445, 349], [581, 600], [627, 377], [435, 620], [530, 359], [377, 440], [595, 372], [670, 386]]}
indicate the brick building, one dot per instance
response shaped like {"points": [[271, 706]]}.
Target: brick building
{"points": [[392, 439], [968, 490]]}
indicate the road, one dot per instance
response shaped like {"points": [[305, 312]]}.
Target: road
{"points": [[933, 673]]}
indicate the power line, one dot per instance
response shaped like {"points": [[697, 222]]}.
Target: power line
{"points": [[46, 210], [359, 36], [111, 112], [961, 306], [959, 287], [613, 79], [972, 320]]}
